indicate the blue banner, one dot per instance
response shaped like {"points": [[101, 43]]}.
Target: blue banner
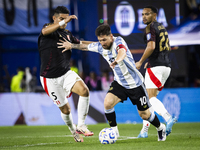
{"points": [[27, 16], [182, 102]]}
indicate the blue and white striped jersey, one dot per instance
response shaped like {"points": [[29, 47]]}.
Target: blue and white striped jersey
{"points": [[125, 72]]}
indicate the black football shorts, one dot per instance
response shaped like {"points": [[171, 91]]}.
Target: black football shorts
{"points": [[138, 95]]}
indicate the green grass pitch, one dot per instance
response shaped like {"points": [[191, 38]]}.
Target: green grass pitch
{"points": [[185, 136]]}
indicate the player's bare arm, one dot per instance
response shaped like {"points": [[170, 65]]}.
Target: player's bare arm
{"points": [[86, 42], [121, 55], [56, 25], [67, 45], [148, 51]]}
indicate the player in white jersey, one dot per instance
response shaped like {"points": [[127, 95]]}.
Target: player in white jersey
{"points": [[128, 82]]}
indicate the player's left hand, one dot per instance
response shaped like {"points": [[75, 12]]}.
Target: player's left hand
{"points": [[113, 64], [64, 44]]}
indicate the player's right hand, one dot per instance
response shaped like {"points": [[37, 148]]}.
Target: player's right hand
{"points": [[69, 18], [138, 65]]}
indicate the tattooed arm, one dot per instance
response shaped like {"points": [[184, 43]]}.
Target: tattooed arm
{"points": [[67, 45]]}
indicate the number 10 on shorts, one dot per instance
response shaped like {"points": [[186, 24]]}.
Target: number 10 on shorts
{"points": [[143, 100]]}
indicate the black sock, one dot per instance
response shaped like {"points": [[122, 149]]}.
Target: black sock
{"points": [[155, 122], [111, 117]]}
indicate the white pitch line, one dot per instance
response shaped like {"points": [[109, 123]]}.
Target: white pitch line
{"points": [[39, 144], [30, 145], [125, 138]]}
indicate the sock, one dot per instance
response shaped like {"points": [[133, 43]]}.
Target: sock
{"points": [[160, 127], [68, 121], [83, 107], [145, 126], [111, 117], [153, 119], [160, 108]]}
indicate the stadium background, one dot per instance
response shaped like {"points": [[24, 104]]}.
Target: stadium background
{"points": [[21, 22]]}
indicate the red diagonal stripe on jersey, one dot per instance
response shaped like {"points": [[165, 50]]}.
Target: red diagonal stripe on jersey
{"points": [[154, 79], [45, 85]]}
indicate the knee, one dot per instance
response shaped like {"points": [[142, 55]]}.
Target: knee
{"points": [[65, 110], [107, 105], [145, 116]]}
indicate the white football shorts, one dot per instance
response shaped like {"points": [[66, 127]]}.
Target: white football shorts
{"points": [[156, 77], [59, 89]]}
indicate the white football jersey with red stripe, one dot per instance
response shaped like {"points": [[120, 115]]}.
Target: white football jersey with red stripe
{"points": [[125, 72]]}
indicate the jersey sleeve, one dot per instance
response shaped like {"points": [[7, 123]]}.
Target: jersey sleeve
{"points": [[120, 43], [93, 47], [121, 46], [150, 33], [72, 38]]}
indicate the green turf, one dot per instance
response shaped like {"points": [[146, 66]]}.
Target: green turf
{"points": [[185, 136]]}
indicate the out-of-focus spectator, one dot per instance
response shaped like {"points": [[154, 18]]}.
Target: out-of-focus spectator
{"points": [[1, 87], [73, 66], [93, 82], [17, 81], [33, 81], [6, 80], [194, 66], [28, 79], [106, 80], [194, 8]]}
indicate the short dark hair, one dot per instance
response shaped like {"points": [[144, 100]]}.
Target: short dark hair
{"points": [[154, 9], [61, 9], [103, 29]]}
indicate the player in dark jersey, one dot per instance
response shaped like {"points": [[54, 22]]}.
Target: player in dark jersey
{"points": [[158, 66], [56, 77]]}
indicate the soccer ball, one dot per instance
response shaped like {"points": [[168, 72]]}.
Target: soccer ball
{"points": [[107, 136]]}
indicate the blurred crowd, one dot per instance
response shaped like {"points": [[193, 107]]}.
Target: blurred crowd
{"points": [[26, 80]]}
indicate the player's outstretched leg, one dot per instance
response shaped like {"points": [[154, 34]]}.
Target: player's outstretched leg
{"points": [[161, 132], [169, 125], [144, 131]]}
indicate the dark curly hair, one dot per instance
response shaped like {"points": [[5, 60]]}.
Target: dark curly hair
{"points": [[103, 29], [61, 9], [154, 9]]}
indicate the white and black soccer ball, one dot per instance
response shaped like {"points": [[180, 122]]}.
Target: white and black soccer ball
{"points": [[107, 136]]}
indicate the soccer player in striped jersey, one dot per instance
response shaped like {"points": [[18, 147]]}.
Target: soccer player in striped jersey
{"points": [[158, 66], [128, 82]]}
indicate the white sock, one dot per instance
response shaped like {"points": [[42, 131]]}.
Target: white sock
{"points": [[68, 121], [146, 124], [83, 107], [145, 127], [159, 108]]}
